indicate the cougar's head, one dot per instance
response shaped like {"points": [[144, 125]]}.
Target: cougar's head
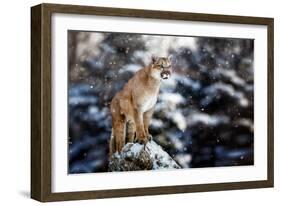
{"points": [[161, 67]]}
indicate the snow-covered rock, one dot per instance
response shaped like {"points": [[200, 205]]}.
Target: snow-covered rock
{"points": [[135, 156]]}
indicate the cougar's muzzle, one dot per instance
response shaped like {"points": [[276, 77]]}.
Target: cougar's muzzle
{"points": [[165, 74]]}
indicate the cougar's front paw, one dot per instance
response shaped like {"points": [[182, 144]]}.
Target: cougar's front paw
{"points": [[149, 137], [142, 141], [141, 138]]}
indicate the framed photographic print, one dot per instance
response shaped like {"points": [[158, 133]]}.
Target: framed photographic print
{"points": [[130, 102]]}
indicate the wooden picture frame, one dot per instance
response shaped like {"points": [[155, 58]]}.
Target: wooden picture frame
{"points": [[41, 98]]}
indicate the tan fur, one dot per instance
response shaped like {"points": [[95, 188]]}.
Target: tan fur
{"points": [[132, 107]]}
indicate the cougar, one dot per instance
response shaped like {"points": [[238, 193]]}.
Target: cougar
{"points": [[132, 107]]}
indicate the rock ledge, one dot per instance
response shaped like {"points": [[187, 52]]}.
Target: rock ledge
{"points": [[135, 156]]}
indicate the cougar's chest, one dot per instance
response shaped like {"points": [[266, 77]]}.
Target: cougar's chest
{"points": [[148, 101], [146, 95]]}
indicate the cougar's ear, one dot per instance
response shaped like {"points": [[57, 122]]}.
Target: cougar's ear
{"points": [[154, 59]]}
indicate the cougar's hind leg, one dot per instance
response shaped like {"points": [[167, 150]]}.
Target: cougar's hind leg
{"points": [[119, 134]]}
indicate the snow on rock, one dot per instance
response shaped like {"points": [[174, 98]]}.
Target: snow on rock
{"points": [[135, 156]]}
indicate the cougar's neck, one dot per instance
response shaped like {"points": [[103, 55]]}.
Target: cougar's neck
{"points": [[151, 81]]}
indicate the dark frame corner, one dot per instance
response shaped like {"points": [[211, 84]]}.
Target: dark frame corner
{"points": [[41, 101]]}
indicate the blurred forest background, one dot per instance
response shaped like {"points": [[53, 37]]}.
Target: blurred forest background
{"points": [[204, 113]]}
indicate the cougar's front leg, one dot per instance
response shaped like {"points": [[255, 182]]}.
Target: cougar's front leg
{"points": [[131, 131], [146, 120], [140, 132]]}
